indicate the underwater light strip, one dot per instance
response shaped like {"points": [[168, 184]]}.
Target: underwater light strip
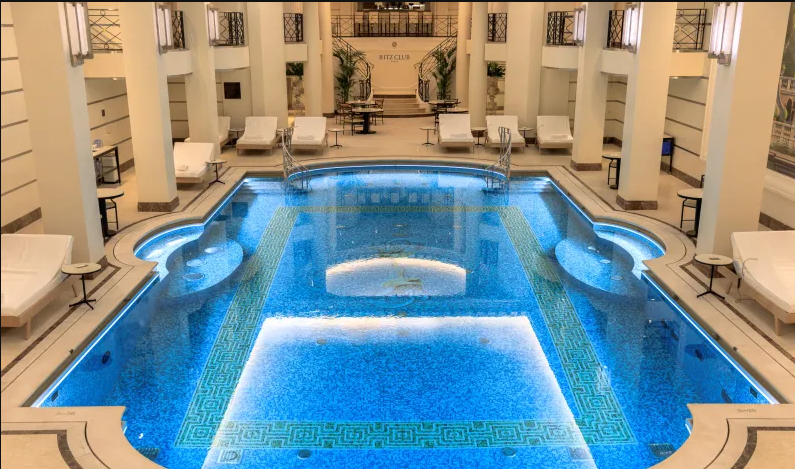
{"points": [[712, 341], [52, 387]]}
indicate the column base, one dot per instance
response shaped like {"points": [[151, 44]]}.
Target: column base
{"points": [[636, 204], [158, 206], [585, 166]]}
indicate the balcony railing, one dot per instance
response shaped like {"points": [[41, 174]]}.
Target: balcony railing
{"points": [[560, 28], [293, 27], [394, 24], [498, 27], [178, 29], [231, 31], [689, 29], [105, 27]]}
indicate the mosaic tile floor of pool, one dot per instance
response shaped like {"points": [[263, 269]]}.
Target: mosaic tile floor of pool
{"points": [[402, 319]]}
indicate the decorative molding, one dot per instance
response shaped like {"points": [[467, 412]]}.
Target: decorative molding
{"points": [[636, 204], [682, 123], [685, 99], [17, 155], [158, 206], [110, 122], [107, 99], [127, 165], [770, 222], [17, 188], [21, 222], [10, 91], [585, 166], [13, 124]]}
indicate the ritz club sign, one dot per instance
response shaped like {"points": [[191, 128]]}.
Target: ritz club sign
{"points": [[395, 58]]}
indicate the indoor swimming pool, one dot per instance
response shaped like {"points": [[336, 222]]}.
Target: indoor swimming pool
{"points": [[402, 317]]}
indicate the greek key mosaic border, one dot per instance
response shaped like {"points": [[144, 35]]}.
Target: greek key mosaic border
{"points": [[602, 420]]}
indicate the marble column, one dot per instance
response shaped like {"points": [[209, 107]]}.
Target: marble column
{"points": [[477, 65], [150, 117], [55, 98], [327, 59], [739, 132], [313, 69], [644, 114], [462, 57], [268, 70], [523, 61], [591, 101]]}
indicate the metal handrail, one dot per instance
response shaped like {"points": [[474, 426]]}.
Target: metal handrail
{"points": [[363, 68], [690, 28], [231, 32], [293, 27], [426, 66], [394, 24], [293, 170], [497, 27], [105, 28], [560, 28], [498, 175]]}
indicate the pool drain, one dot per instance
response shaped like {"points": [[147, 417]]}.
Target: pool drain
{"points": [[212, 250], [195, 263], [508, 452], [106, 357], [304, 454], [193, 277], [401, 314], [616, 277], [483, 341], [321, 341], [605, 261], [592, 248]]}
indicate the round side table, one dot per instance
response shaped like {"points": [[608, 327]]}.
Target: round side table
{"points": [[336, 133], [524, 131], [712, 260], [105, 194], [216, 163], [427, 130], [479, 130], [82, 270]]}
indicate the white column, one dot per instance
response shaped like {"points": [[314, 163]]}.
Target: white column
{"points": [[708, 101], [477, 65], [200, 87], [644, 116], [327, 58], [523, 61], [313, 70], [266, 49], [591, 101], [150, 117], [742, 117], [55, 98], [462, 57]]}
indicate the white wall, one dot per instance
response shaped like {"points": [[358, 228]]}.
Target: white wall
{"points": [[105, 94], [20, 195], [178, 105]]}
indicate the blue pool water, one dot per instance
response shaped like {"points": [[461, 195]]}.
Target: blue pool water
{"points": [[402, 318]]}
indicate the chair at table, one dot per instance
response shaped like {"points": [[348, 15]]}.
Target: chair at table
{"points": [[689, 203], [379, 103], [350, 118]]}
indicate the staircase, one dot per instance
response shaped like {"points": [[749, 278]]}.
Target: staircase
{"points": [[404, 105], [364, 70], [426, 85]]}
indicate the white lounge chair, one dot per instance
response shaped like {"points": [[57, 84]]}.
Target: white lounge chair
{"points": [[765, 263], [493, 124], [224, 123], [190, 161], [553, 132], [455, 131], [260, 134], [309, 133], [31, 276]]}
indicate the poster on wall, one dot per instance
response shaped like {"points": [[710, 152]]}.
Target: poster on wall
{"points": [[781, 157]]}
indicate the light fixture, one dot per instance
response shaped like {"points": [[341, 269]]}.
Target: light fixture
{"points": [[165, 38], [629, 38], [213, 25], [724, 16], [579, 25], [77, 32]]}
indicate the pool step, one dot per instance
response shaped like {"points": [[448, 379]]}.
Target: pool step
{"points": [[150, 453]]}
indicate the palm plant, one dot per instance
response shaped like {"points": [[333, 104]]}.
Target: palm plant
{"points": [[295, 69], [495, 70], [349, 59], [443, 72]]}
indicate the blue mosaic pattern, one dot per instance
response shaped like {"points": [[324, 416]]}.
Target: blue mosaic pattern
{"points": [[602, 419]]}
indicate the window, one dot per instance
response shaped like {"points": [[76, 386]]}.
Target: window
{"points": [[232, 90]]}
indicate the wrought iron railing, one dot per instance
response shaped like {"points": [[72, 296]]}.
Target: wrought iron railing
{"points": [[691, 25], [293, 27], [560, 28], [689, 29], [394, 24], [295, 174], [105, 27], [426, 67], [363, 86], [615, 29], [498, 27], [498, 174], [231, 31], [178, 29]]}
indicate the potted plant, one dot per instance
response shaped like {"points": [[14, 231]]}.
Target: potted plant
{"points": [[494, 71], [443, 72], [349, 59], [295, 72]]}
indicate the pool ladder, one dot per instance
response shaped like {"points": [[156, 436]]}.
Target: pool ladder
{"points": [[295, 174], [498, 174]]}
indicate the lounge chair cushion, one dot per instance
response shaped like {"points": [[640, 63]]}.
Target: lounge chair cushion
{"points": [[259, 130], [309, 130], [190, 159], [455, 128], [766, 261], [554, 129], [493, 124], [31, 268]]}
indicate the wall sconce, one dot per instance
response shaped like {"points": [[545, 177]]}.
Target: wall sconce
{"points": [[724, 16], [165, 38], [579, 25], [77, 31], [631, 27], [213, 25]]}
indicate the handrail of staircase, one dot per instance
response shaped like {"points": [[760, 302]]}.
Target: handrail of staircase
{"points": [[498, 174], [363, 67], [426, 66], [293, 170]]}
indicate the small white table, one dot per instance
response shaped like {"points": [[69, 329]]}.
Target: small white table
{"points": [[524, 131], [479, 130], [712, 260], [336, 133], [216, 163], [427, 130], [82, 270]]}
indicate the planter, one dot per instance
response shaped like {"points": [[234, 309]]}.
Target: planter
{"points": [[492, 91], [297, 94]]}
